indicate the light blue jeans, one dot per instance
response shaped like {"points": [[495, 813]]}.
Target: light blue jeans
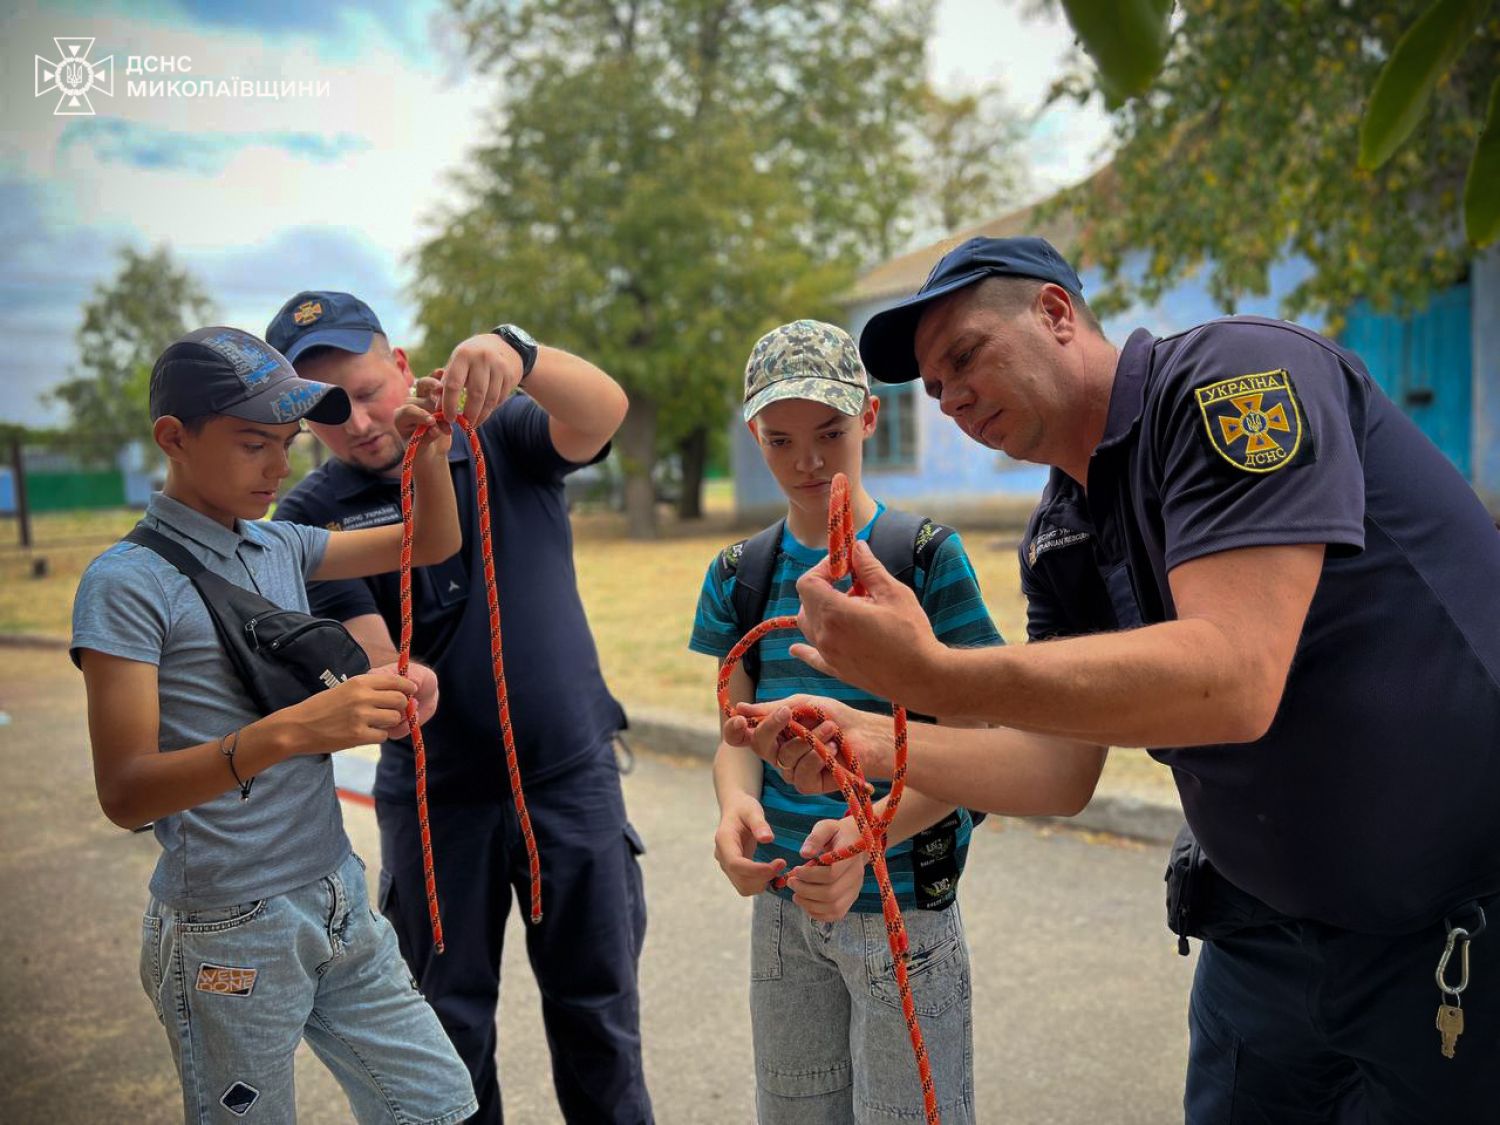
{"points": [[238, 988], [831, 1045]]}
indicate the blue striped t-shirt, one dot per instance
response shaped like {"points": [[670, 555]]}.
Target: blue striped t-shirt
{"points": [[950, 596]]}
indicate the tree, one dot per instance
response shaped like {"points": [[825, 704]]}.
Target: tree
{"points": [[150, 302], [666, 180], [1245, 151], [972, 162]]}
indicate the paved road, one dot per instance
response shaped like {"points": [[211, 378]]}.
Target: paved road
{"points": [[1079, 995]]}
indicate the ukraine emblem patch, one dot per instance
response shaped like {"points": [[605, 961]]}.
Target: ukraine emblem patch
{"points": [[306, 313], [1253, 421]]}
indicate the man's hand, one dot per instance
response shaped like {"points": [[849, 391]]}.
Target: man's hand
{"points": [[409, 415], [427, 694], [827, 893], [798, 762], [882, 642], [487, 368], [742, 826]]}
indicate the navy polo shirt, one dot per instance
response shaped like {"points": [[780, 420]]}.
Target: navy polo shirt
{"points": [[1371, 802], [561, 710]]}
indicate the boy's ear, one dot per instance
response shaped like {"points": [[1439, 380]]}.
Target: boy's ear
{"points": [[169, 434], [871, 413], [754, 433]]}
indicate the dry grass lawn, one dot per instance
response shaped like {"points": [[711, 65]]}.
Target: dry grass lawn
{"points": [[640, 598]]}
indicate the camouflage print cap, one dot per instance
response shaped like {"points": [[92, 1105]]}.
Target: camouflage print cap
{"points": [[806, 359]]}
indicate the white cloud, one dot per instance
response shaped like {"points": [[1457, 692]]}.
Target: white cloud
{"points": [[981, 41]]}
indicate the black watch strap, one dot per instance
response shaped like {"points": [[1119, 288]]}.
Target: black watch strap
{"points": [[522, 341]]}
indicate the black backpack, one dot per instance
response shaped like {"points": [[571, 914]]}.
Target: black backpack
{"points": [[282, 656], [900, 540]]}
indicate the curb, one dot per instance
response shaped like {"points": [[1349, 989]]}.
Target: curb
{"points": [[32, 640], [1119, 814]]}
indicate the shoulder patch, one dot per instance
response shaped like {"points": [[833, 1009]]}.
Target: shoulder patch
{"points": [[1253, 421], [924, 535], [729, 557]]}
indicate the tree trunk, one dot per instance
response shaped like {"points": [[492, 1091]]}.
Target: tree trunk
{"points": [[693, 450], [636, 446]]}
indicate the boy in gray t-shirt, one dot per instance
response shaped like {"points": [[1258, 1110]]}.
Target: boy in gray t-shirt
{"points": [[258, 932]]}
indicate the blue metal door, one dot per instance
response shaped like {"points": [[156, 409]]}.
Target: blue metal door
{"points": [[1425, 362]]}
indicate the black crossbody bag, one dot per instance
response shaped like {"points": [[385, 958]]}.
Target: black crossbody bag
{"points": [[282, 656]]}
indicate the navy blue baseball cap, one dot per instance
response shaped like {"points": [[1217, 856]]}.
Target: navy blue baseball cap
{"points": [[226, 371], [323, 319], [887, 343]]}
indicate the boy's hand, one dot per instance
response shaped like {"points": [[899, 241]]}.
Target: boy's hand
{"points": [[827, 893], [409, 415], [361, 710], [427, 694], [488, 369], [742, 826]]}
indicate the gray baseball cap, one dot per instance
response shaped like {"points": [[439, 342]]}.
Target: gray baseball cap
{"points": [[806, 359]]}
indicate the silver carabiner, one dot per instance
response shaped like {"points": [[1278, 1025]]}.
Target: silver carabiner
{"points": [[1455, 935]]}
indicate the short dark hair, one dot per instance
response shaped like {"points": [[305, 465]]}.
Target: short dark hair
{"points": [[195, 424], [1012, 295]]}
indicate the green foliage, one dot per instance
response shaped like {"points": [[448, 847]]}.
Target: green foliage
{"points": [[972, 165], [1127, 39], [1482, 188], [1423, 55], [1245, 152], [126, 325], [666, 179]]}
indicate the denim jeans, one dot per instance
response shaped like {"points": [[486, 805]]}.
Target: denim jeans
{"points": [[237, 988], [831, 1044]]}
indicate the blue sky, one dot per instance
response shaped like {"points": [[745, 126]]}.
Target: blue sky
{"points": [[262, 197]]}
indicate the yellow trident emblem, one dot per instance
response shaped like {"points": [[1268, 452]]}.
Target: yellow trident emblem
{"points": [[1254, 423], [1244, 414]]}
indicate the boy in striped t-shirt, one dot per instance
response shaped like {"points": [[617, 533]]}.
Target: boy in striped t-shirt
{"points": [[830, 1041]]}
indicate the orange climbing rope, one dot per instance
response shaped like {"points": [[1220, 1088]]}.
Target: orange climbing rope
{"points": [[843, 762], [487, 551]]}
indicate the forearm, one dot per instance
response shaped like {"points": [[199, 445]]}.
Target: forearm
{"points": [[737, 773], [1179, 683], [578, 397], [996, 769], [915, 812], [148, 786], [436, 531], [374, 637]]}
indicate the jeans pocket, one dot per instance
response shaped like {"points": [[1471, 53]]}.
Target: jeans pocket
{"points": [[765, 938], [220, 918], [937, 965], [151, 960]]}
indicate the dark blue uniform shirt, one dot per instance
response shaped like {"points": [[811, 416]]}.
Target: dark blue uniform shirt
{"points": [[1371, 803], [561, 710]]}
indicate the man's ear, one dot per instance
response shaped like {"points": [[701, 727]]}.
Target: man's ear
{"points": [[399, 355], [169, 434], [1056, 308]]}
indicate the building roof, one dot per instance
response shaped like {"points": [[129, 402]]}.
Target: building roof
{"points": [[904, 274]]}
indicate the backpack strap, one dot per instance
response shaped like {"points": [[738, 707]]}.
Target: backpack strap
{"points": [[752, 563], [905, 543], [174, 552]]}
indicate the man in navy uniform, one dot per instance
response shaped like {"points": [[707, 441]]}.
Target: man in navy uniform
{"points": [[1250, 561], [586, 948]]}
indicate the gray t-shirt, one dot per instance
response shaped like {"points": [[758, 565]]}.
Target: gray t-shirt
{"points": [[133, 604]]}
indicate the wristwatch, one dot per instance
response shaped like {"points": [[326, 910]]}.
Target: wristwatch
{"points": [[521, 340]]}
